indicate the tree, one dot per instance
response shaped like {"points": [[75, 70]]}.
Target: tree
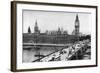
{"points": [[29, 30]]}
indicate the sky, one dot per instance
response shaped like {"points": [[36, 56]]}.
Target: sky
{"points": [[52, 20]]}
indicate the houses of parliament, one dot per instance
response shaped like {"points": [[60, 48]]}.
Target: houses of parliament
{"points": [[52, 37]]}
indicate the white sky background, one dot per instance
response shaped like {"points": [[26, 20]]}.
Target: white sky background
{"points": [[48, 20]]}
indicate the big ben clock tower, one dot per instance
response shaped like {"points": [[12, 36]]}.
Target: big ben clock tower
{"points": [[77, 25]]}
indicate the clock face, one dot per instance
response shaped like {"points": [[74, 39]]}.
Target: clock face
{"points": [[76, 23]]}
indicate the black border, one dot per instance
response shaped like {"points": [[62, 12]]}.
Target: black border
{"points": [[14, 33]]}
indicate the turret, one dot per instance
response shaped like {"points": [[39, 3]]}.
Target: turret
{"points": [[36, 29]]}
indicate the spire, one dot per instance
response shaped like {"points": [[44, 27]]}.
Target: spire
{"points": [[36, 29], [77, 25], [59, 30], [29, 30], [77, 19], [36, 23]]}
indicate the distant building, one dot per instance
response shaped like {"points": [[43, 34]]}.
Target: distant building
{"points": [[59, 36], [56, 32], [77, 24]]}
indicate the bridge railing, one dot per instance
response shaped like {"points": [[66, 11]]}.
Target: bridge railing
{"points": [[65, 53]]}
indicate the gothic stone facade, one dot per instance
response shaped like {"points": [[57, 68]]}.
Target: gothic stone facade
{"points": [[54, 37]]}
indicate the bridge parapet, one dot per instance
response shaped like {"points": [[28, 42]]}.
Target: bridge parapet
{"points": [[66, 53]]}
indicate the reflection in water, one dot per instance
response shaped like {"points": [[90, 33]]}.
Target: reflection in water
{"points": [[29, 54]]}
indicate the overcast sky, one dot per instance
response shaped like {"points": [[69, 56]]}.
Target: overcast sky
{"points": [[48, 20]]}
